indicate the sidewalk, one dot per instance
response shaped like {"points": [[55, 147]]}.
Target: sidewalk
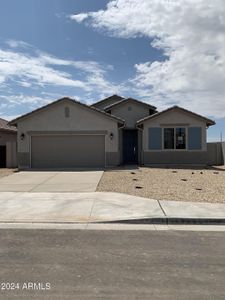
{"points": [[97, 207]]}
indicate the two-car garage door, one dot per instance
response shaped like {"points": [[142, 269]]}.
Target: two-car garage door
{"points": [[68, 151]]}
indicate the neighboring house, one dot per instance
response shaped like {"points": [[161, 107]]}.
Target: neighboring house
{"points": [[7, 145], [113, 131]]}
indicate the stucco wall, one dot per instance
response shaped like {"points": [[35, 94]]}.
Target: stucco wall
{"points": [[121, 145], [53, 119], [137, 112], [178, 157], [9, 139], [216, 153]]}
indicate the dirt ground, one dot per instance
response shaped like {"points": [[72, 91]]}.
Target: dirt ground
{"points": [[6, 172], [179, 184]]}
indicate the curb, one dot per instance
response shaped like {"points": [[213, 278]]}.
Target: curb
{"points": [[168, 221], [140, 221]]}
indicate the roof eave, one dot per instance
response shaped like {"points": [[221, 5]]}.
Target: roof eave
{"points": [[211, 123], [15, 121], [102, 101], [208, 121], [127, 99], [8, 130]]}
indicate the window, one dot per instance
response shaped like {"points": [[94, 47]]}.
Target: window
{"points": [[168, 138], [67, 112], [175, 138], [180, 138], [129, 108]]}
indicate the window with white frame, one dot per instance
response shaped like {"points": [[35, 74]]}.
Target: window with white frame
{"points": [[174, 138]]}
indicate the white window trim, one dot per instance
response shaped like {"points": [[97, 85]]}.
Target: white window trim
{"points": [[186, 138]]}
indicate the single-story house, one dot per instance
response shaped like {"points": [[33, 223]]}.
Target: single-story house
{"points": [[7, 145], [111, 132]]}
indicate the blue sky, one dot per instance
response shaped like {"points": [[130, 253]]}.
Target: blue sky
{"points": [[91, 49]]}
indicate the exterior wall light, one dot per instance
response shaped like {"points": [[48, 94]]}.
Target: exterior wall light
{"points": [[111, 136], [22, 136]]}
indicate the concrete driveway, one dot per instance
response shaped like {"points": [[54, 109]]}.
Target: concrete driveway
{"points": [[74, 207], [97, 206], [35, 181]]}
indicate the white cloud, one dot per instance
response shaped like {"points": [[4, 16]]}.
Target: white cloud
{"points": [[9, 117], [79, 18], [25, 84], [10, 103], [22, 66], [42, 69], [17, 44], [41, 80], [25, 99], [191, 35]]}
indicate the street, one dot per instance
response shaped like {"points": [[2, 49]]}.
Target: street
{"points": [[96, 264]]}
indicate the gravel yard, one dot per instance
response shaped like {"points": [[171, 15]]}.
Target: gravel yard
{"points": [[6, 172], [195, 184]]}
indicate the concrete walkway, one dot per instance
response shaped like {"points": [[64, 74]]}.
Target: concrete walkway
{"points": [[34, 181], [98, 207]]}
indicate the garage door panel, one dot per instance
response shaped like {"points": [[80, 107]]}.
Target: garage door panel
{"points": [[68, 151]]}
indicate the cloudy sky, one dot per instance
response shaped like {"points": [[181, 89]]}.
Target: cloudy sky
{"points": [[165, 52]]}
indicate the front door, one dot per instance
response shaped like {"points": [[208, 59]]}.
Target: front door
{"points": [[2, 156], [130, 146]]}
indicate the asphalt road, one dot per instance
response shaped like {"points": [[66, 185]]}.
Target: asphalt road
{"points": [[87, 264]]}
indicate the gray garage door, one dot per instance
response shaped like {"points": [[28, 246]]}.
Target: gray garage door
{"points": [[68, 151]]}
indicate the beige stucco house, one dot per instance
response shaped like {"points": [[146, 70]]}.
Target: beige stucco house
{"points": [[7, 145], [113, 131]]}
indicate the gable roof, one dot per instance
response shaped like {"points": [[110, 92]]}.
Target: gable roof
{"points": [[122, 101], [4, 126], [208, 121], [114, 98], [14, 122]]}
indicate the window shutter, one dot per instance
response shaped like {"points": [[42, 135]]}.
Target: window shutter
{"points": [[155, 138], [194, 138]]}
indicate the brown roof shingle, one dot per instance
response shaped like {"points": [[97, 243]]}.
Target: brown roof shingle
{"points": [[114, 98], [4, 126]]}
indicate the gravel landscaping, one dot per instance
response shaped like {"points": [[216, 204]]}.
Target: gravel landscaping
{"points": [[186, 184], [5, 172]]}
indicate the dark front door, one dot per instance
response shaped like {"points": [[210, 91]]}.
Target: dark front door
{"points": [[130, 146], [2, 156]]}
